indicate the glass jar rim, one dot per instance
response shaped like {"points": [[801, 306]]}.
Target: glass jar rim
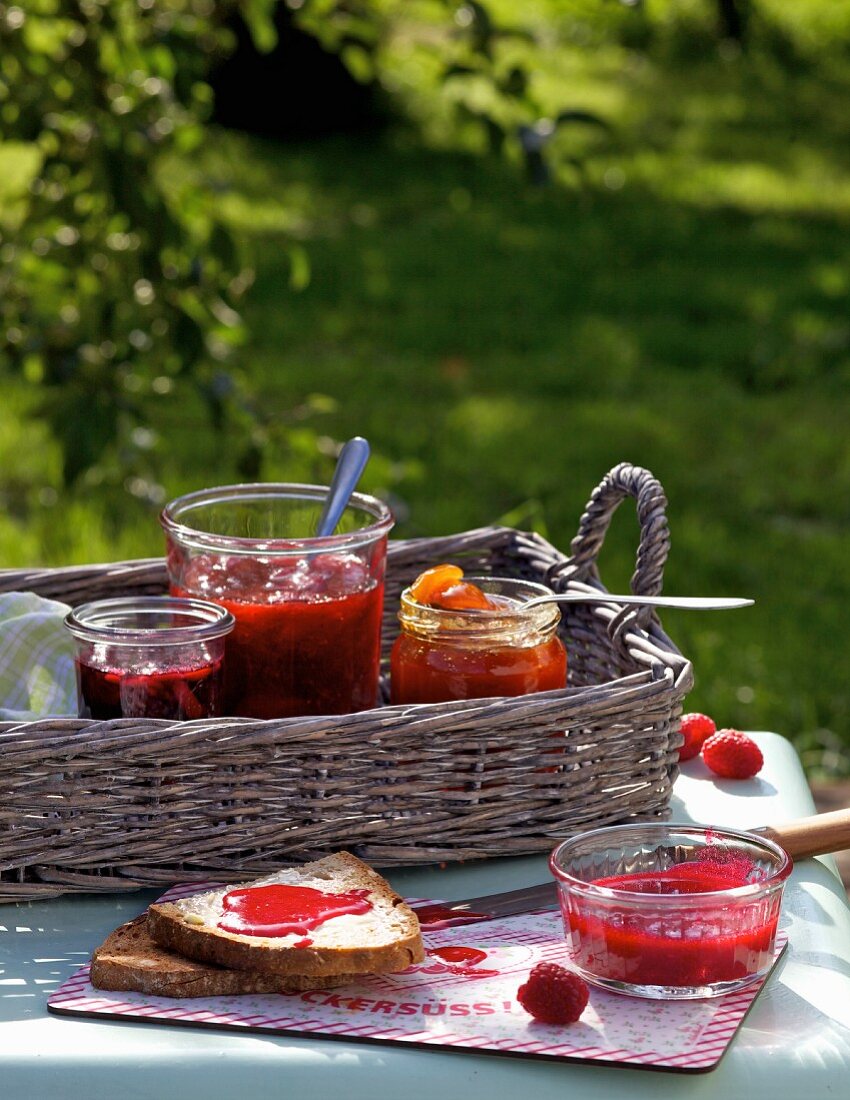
{"points": [[654, 832], [185, 535], [95, 621], [476, 622]]}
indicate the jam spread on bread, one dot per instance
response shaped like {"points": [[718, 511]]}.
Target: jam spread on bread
{"points": [[281, 910]]}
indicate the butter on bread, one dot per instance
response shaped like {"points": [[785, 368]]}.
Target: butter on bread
{"points": [[383, 940], [130, 960]]}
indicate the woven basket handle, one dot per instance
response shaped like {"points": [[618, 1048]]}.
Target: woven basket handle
{"points": [[624, 481]]}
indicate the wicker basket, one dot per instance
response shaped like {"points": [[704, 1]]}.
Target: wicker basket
{"points": [[104, 806]]}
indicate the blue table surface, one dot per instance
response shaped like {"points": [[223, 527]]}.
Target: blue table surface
{"points": [[794, 1043]]}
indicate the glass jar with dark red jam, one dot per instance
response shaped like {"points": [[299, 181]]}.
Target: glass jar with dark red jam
{"points": [[150, 657], [308, 610], [471, 653]]}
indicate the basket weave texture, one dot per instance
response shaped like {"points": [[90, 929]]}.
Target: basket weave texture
{"points": [[104, 806]]}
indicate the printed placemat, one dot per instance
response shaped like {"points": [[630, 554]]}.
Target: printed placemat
{"points": [[462, 998]]}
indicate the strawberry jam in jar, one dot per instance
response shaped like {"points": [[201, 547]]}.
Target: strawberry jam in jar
{"points": [[670, 911], [308, 610], [475, 638], [150, 657]]}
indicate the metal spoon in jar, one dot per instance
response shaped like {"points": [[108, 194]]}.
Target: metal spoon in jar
{"points": [[685, 603], [349, 466]]}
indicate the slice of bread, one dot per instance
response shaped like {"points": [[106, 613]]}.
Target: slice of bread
{"points": [[130, 960], [382, 940]]}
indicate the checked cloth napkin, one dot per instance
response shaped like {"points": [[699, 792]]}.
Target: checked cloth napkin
{"points": [[37, 677]]}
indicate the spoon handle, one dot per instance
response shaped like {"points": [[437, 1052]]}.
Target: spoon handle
{"points": [[688, 603], [812, 836], [350, 465]]}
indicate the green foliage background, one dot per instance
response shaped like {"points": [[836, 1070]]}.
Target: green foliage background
{"points": [[597, 232]]}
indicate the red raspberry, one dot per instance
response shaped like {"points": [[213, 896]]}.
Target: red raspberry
{"points": [[553, 995], [695, 729], [732, 754]]}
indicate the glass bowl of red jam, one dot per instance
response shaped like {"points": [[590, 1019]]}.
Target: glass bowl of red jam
{"points": [[150, 657], [670, 911], [308, 610], [476, 652]]}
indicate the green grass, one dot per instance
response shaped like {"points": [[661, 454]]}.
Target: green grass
{"points": [[503, 347], [510, 354]]}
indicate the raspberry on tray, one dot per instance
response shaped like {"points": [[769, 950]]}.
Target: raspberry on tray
{"points": [[553, 994]]}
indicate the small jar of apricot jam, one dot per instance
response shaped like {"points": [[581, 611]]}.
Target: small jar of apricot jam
{"points": [[460, 645]]}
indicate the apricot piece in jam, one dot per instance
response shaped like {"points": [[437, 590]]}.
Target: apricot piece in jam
{"points": [[443, 587]]}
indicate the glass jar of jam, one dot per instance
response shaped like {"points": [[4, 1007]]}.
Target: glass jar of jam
{"points": [[473, 653], [308, 610], [150, 657]]}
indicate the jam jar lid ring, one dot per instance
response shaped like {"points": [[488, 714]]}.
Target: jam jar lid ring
{"points": [[184, 534], [654, 832], [482, 625], [100, 621]]}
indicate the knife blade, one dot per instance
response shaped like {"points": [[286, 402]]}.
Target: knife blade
{"points": [[449, 914], [433, 916], [804, 837]]}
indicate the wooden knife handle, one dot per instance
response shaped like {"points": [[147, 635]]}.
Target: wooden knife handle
{"points": [[812, 836]]}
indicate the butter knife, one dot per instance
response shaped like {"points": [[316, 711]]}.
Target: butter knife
{"points": [[802, 838], [433, 916]]}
